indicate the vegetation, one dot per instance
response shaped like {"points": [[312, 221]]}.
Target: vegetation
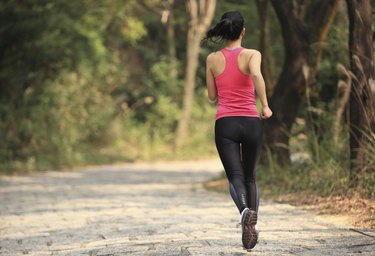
{"points": [[92, 82]]}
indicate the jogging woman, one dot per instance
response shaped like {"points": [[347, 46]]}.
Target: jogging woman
{"points": [[233, 76]]}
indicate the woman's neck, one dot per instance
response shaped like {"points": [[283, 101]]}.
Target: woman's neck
{"points": [[232, 44]]}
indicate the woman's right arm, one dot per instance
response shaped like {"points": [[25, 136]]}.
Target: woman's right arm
{"points": [[260, 87], [210, 80]]}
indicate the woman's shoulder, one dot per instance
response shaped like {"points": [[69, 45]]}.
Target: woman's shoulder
{"points": [[214, 56], [250, 52]]}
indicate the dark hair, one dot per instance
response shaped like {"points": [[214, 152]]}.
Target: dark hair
{"points": [[229, 27]]}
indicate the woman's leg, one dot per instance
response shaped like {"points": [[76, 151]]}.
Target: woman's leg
{"points": [[238, 141], [227, 138], [251, 147]]}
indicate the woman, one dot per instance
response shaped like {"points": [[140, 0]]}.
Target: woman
{"points": [[233, 75]]}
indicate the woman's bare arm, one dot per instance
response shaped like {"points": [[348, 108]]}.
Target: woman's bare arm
{"points": [[260, 87], [210, 80]]}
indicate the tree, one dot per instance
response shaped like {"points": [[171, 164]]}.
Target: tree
{"points": [[58, 64], [167, 18], [264, 46], [201, 15], [300, 26], [361, 101]]}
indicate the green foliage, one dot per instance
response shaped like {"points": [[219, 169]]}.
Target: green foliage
{"points": [[366, 176], [160, 81], [55, 73], [319, 165], [153, 138]]}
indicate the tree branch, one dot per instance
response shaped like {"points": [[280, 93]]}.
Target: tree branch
{"points": [[206, 18], [324, 34], [193, 10], [151, 8], [317, 11], [293, 29]]}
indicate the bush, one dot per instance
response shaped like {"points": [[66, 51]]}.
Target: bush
{"points": [[320, 165]]}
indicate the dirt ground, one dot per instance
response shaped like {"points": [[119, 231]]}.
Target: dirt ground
{"points": [[359, 212], [356, 211], [155, 209]]}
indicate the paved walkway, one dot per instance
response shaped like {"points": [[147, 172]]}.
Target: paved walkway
{"points": [[153, 209]]}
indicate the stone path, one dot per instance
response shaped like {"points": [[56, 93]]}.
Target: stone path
{"points": [[153, 209]]}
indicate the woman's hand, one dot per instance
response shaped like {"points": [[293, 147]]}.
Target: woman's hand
{"points": [[266, 112]]}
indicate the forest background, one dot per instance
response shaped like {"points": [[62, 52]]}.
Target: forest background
{"points": [[97, 82]]}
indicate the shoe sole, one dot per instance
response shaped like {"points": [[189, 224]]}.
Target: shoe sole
{"points": [[249, 233]]}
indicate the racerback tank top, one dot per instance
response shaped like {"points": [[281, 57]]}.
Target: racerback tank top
{"points": [[236, 93]]}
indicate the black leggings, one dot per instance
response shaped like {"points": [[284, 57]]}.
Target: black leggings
{"points": [[238, 141]]}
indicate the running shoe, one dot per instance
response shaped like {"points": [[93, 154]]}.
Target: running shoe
{"points": [[249, 232]]}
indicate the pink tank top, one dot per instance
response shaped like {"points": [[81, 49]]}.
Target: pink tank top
{"points": [[236, 93]]}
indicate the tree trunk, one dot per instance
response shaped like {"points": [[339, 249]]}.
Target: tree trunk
{"points": [[361, 111], [313, 118], [188, 100], [200, 18], [290, 87], [324, 35], [264, 48], [300, 25], [171, 44]]}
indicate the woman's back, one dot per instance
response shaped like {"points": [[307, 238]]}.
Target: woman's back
{"points": [[218, 61], [235, 88]]}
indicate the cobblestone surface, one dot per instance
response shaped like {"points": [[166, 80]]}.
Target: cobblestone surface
{"points": [[153, 209]]}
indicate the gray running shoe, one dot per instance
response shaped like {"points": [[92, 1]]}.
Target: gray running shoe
{"points": [[249, 233]]}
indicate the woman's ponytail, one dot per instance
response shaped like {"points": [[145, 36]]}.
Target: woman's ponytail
{"points": [[229, 27], [218, 32]]}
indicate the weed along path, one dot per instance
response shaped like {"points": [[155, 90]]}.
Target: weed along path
{"points": [[153, 209]]}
